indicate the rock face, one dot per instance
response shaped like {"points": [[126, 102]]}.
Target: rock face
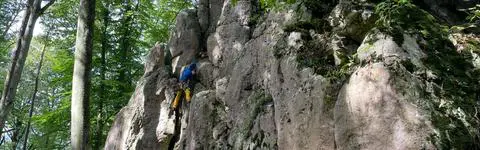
{"points": [[185, 39], [299, 78], [393, 124]]}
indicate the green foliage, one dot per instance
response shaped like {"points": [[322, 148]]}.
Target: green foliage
{"points": [[314, 54], [403, 1], [455, 78], [9, 12], [157, 19], [267, 4], [124, 29], [474, 13], [60, 22], [399, 17], [473, 46]]}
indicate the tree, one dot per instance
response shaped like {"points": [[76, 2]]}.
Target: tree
{"points": [[34, 95], [98, 139], [123, 33], [33, 11], [9, 12], [8, 15], [81, 75]]}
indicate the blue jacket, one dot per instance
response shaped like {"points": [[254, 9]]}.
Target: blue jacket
{"points": [[187, 73]]}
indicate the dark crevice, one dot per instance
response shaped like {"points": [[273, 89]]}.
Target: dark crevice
{"points": [[448, 12], [176, 132]]}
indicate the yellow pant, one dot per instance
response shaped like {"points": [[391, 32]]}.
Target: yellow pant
{"points": [[176, 101]]}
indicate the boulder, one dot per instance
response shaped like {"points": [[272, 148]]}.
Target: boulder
{"points": [[371, 113], [146, 122], [185, 39]]}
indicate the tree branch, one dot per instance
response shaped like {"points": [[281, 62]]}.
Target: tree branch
{"points": [[8, 130], [44, 8], [17, 12]]}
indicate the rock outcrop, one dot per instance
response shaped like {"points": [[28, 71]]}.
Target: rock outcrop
{"points": [[297, 77]]}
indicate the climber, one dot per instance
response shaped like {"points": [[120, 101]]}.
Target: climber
{"points": [[186, 84]]}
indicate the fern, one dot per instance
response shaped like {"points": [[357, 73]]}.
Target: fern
{"points": [[474, 13]]}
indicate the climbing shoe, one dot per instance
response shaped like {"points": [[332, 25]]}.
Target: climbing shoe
{"points": [[188, 95], [176, 100]]}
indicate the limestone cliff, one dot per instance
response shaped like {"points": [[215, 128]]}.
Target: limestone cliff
{"points": [[311, 75]]}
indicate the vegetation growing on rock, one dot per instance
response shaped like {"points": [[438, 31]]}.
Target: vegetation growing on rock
{"points": [[289, 74], [257, 102], [456, 80]]}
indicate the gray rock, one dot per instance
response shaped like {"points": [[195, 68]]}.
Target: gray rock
{"points": [[207, 73], [371, 114], [185, 39], [155, 59], [206, 114], [221, 88], [255, 94], [343, 48], [144, 123], [208, 13], [352, 19]]}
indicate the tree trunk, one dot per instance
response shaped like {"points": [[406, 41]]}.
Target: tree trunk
{"points": [[2, 140], [16, 134], [99, 127], [10, 85], [81, 76], [34, 95], [32, 13], [125, 48]]}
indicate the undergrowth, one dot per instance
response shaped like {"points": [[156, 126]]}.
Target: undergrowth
{"points": [[455, 76]]}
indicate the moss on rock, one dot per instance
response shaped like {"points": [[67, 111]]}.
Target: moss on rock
{"points": [[257, 101], [455, 103]]}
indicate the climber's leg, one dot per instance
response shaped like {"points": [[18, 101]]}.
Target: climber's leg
{"points": [[188, 95], [177, 99]]}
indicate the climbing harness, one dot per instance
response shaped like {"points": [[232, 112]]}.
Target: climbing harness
{"points": [[186, 86]]}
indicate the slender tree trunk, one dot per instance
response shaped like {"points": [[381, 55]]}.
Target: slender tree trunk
{"points": [[125, 48], [2, 140], [34, 95], [6, 132], [10, 85], [99, 127], [16, 134], [81, 76], [32, 13]]}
